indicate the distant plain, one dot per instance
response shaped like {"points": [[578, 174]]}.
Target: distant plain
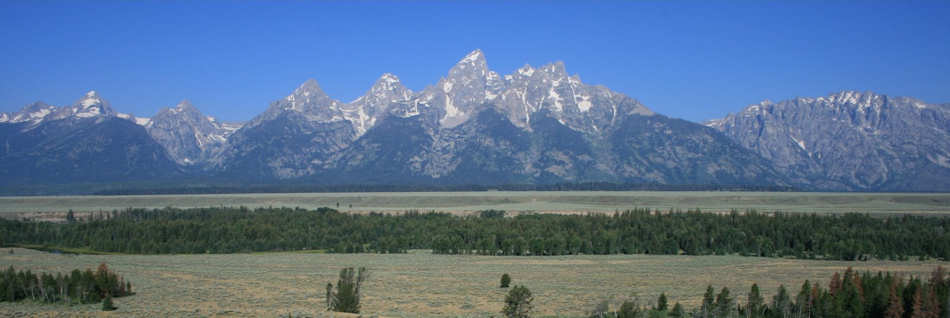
{"points": [[513, 201]]}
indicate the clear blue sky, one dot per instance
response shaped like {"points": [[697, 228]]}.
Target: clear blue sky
{"points": [[691, 60]]}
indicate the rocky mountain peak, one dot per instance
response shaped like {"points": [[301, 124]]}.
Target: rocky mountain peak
{"points": [[469, 70], [308, 88], [310, 100], [846, 140], [185, 105], [34, 112], [474, 60], [187, 135], [90, 105], [34, 107], [556, 69], [389, 83]]}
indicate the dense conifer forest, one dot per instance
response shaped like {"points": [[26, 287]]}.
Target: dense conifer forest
{"points": [[76, 287], [848, 295], [229, 230]]}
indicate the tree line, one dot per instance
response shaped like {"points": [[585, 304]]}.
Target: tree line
{"points": [[848, 295], [636, 231], [76, 287]]}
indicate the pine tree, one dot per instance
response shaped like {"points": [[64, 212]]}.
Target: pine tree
{"points": [[707, 310], [781, 304], [835, 284], [505, 280], [662, 304], [518, 303], [803, 302], [678, 311], [755, 303], [931, 305], [724, 303], [850, 295], [107, 303], [346, 298], [329, 296], [917, 309], [895, 306], [629, 309]]}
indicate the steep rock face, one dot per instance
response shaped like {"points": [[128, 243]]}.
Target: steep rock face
{"points": [[84, 142], [658, 149], [850, 140], [299, 134], [189, 136], [477, 127]]}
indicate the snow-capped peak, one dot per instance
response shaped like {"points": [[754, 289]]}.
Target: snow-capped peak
{"points": [[557, 68], [475, 56], [386, 82], [755, 108], [472, 64], [34, 113], [184, 105], [90, 105], [526, 70], [309, 88], [90, 99]]}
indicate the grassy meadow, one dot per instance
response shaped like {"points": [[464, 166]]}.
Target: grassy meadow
{"points": [[513, 201], [419, 284]]}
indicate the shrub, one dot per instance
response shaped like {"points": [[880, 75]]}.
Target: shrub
{"points": [[505, 280], [518, 303]]}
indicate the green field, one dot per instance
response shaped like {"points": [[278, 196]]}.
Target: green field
{"points": [[527, 201], [420, 284]]}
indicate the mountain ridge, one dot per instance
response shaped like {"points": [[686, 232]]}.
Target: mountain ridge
{"points": [[533, 126]]}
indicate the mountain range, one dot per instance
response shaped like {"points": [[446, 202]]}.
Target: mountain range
{"points": [[538, 125]]}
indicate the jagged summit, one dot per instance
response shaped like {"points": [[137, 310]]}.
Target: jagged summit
{"points": [[476, 57], [848, 140], [309, 87], [185, 104], [33, 113], [187, 135], [538, 124], [90, 105], [387, 82]]}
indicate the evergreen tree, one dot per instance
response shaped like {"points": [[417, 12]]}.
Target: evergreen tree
{"points": [[505, 280], [724, 303], [678, 311], [917, 309], [803, 302], [781, 304], [518, 302], [707, 309], [329, 296], [107, 303], [346, 298], [895, 306], [755, 306], [662, 303], [629, 309], [850, 295]]}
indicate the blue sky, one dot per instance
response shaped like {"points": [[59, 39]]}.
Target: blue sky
{"points": [[691, 60]]}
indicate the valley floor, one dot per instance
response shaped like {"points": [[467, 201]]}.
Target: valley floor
{"points": [[420, 284], [511, 201]]}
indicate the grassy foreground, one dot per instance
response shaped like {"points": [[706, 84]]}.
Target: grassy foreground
{"points": [[421, 284]]}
